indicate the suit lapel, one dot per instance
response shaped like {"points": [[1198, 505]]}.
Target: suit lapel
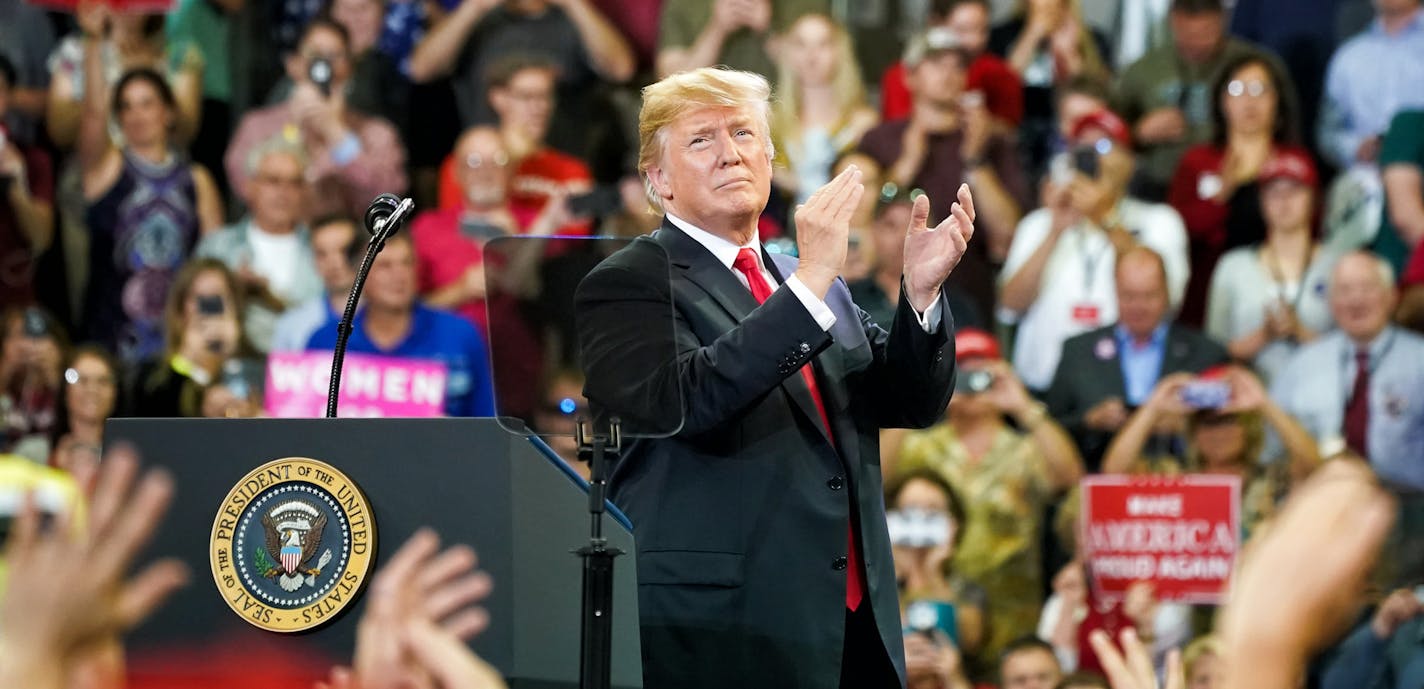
{"points": [[703, 269], [1175, 353]]}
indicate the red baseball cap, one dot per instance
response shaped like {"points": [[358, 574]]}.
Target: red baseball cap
{"points": [[1105, 121], [1291, 165], [973, 343]]}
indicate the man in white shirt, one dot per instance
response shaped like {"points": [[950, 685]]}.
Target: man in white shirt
{"points": [[269, 250], [336, 252], [1058, 279]]}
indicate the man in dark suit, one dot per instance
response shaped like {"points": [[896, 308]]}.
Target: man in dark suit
{"points": [[1105, 373], [763, 557]]}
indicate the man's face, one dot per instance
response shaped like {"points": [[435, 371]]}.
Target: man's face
{"points": [[1197, 36], [526, 103], [1141, 295], [482, 167], [970, 22], [276, 191], [1032, 668], [811, 49], [391, 283], [715, 169], [1360, 301], [1286, 203], [939, 78], [363, 20], [330, 243]]}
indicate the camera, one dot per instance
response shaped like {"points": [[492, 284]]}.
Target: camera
{"points": [[932, 618], [917, 528], [1086, 161], [1206, 394], [211, 305], [974, 382], [35, 325], [320, 72]]}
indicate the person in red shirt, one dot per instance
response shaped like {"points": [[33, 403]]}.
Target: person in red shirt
{"points": [[522, 96], [988, 74], [1215, 187], [449, 241]]}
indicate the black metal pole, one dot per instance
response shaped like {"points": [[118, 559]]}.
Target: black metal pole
{"points": [[344, 327], [596, 643]]}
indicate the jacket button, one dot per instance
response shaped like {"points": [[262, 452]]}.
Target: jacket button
{"points": [[836, 483], [805, 348], [839, 563]]}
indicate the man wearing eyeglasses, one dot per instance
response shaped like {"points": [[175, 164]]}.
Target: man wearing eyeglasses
{"points": [[1058, 279]]}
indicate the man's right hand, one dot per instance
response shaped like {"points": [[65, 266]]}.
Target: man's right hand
{"points": [[1400, 607], [1107, 415], [823, 230], [1162, 125]]}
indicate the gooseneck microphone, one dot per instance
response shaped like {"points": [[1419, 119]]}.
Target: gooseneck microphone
{"points": [[384, 218]]}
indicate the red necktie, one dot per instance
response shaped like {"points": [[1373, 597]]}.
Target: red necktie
{"points": [[746, 262], [1357, 410]]}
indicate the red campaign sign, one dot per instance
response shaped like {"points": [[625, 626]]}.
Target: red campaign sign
{"points": [[1181, 533], [120, 6]]}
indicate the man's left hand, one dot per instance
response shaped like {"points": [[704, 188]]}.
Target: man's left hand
{"points": [[930, 254]]}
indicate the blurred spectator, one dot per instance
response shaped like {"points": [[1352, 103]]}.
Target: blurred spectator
{"points": [[741, 34], [269, 251], [352, 156], [860, 255], [522, 90], [1007, 476], [637, 20], [147, 206], [91, 393], [449, 242], [1029, 663], [562, 405], [210, 24], [1215, 187], [636, 216], [988, 73], [1371, 77], [1139, 27], [1106, 372], [1383, 652], [1223, 437], [335, 251], [1165, 95], [123, 42], [1075, 610], [878, 292], [26, 41], [202, 333], [821, 112], [1402, 171], [32, 352], [1046, 43], [26, 200], [933, 662], [1073, 99], [929, 520], [1363, 384], [1058, 279], [394, 323], [1203, 661], [377, 86], [948, 139], [1268, 299], [1084, 680], [572, 34], [1304, 33]]}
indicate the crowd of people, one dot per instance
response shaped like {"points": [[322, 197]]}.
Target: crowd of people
{"points": [[1173, 196]]}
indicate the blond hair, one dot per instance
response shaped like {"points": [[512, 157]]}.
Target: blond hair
{"points": [[678, 94], [846, 84]]}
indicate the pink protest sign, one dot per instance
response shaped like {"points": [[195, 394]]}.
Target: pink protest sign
{"points": [[371, 386]]}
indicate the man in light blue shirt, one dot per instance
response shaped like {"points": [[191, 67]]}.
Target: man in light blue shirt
{"points": [[335, 250], [1372, 76]]}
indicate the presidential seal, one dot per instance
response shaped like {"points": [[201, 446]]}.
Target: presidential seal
{"points": [[292, 544]]}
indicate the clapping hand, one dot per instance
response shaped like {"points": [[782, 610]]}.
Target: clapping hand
{"points": [[1132, 667], [823, 229], [931, 253]]}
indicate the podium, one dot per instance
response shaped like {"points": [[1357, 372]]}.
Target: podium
{"points": [[471, 480]]}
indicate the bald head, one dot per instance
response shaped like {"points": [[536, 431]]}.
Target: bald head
{"points": [[1142, 299], [1362, 295]]}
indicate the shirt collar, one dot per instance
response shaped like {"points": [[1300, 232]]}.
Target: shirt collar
{"points": [[1416, 24], [1377, 347], [725, 251], [1124, 339]]}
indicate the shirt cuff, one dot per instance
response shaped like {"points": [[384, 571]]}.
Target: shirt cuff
{"points": [[346, 151], [930, 319], [814, 304]]}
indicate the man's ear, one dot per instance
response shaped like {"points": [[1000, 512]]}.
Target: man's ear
{"points": [[658, 180]]}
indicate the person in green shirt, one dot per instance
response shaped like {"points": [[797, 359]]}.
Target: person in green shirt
{"points": [[1402, 172]]}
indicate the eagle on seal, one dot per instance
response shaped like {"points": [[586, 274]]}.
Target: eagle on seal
{"points": [[293, 532]]}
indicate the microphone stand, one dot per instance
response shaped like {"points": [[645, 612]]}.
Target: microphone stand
{"points": [[383, 219], [596, 642]]}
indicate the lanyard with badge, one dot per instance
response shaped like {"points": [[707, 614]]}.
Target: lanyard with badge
{"points": [[1087, 311]]}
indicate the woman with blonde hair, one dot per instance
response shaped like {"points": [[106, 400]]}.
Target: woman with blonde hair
{"points": [[821, 109]]}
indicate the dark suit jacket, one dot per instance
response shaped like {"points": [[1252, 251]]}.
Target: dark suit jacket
{"points": [[1084, 379], [741, 517]]}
